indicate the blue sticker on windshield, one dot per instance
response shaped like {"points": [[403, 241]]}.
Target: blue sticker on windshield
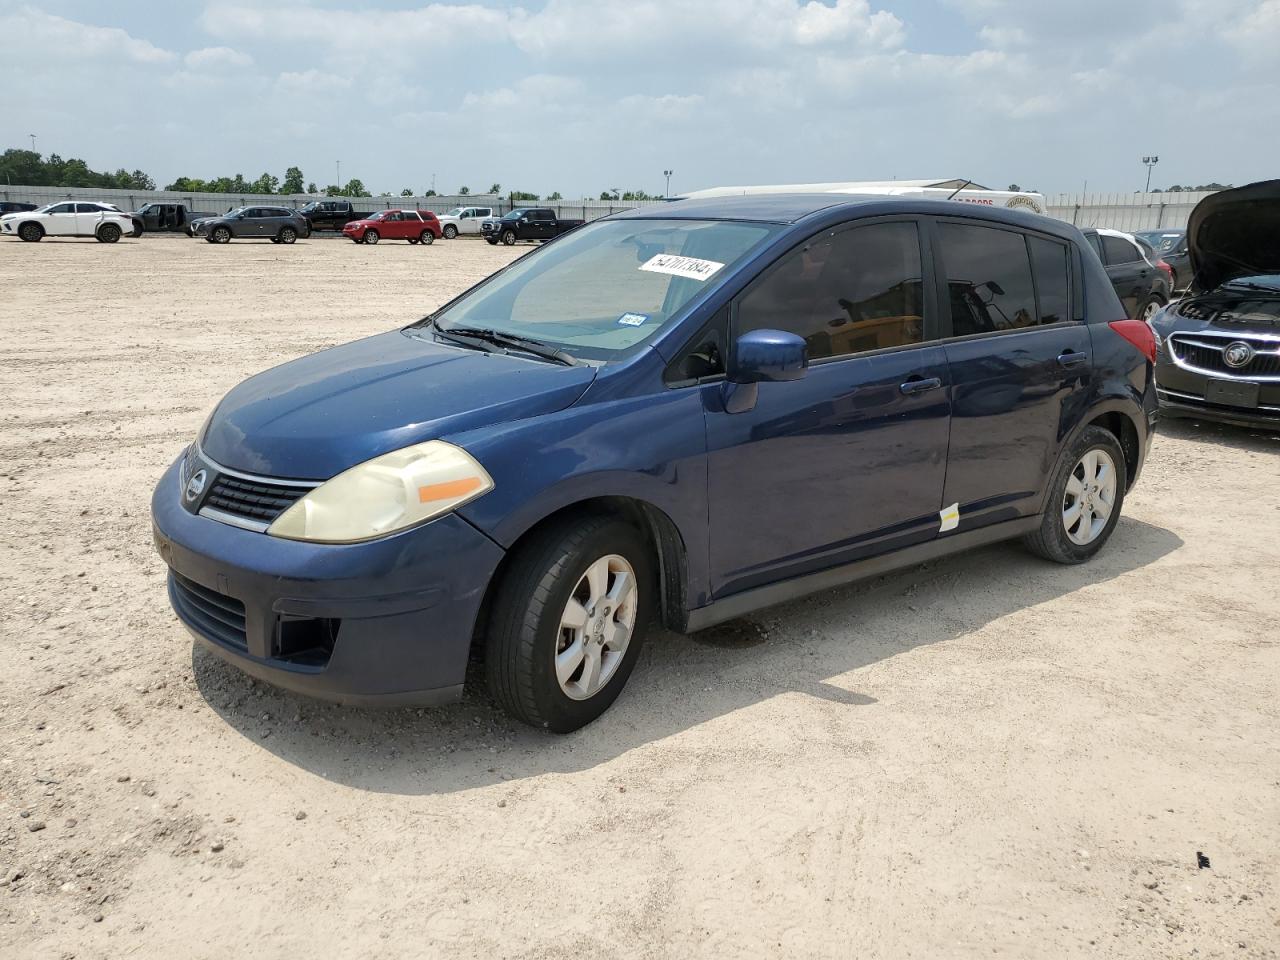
{"points": [[633, 319]]}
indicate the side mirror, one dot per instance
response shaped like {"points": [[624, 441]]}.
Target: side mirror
{"points": [[768, 356]]}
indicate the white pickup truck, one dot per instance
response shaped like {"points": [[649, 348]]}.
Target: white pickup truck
{"points": [[461, 220]]}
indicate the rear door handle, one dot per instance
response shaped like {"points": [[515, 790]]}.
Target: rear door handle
{"points": [[920, 385], [1072, 359]]}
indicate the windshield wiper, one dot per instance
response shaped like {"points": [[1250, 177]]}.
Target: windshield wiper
{"points": [[512, 340], [1245, 285]]}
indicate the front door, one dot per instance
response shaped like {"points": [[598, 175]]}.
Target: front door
{"points": [[61, 221], [1129, 271], [1020, 365], [850, 460]]}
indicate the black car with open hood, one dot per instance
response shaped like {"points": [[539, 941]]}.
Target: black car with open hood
{"points": [[1219, 348]]}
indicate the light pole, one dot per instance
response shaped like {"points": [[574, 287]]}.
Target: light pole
{"points": [[667, 174], [33, 142], [1150, 162], [338, 164]]}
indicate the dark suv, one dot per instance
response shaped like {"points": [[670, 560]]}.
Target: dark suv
{"points": [[1142, 281], [277, 224], [1219, 347], [678, 414]]}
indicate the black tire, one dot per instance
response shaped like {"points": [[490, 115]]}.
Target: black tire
{"points": [[508, 237], [427, 237], [524, 626], [109, 233], [413, 241], [493, 241], [31, 232], [287, 235], [220, 235], [370, 236], [1051, 540], [210, 240], [1151, 307], [450, 232]]}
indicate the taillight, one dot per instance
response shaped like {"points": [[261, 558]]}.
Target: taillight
{"points": [[1166, 268], [1139, 334]]}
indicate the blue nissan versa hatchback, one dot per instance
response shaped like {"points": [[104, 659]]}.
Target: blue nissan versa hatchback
{"points": [[679, 414]]}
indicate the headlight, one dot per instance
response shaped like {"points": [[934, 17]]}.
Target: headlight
{"points": [[388, 493]]}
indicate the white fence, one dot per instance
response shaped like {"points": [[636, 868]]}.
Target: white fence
{"points": [[1119, 211]]}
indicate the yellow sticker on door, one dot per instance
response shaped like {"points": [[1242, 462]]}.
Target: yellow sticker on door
{"points": [[950, 517]]}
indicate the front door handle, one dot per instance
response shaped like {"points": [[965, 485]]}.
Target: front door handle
{"points": [[920, 385], [1072, 359]]}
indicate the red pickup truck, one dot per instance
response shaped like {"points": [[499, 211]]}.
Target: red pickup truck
{"points": [[416, 226]]}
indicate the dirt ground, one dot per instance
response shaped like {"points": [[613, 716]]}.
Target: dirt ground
{"points": [[985, 755]]}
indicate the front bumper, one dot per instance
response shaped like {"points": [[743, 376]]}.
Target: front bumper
{"points": [[386, 622], [1190, 407]]}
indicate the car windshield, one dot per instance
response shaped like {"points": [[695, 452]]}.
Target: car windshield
{"points": [[605, 287], [455, 212], [515, 214], [380, 215], [1160, 239]]}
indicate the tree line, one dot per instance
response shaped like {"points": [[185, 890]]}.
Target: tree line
{"points": [[31, 169]]}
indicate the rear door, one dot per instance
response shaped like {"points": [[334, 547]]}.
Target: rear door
{"points": [[850, 460], [541, 225], [1129, 271], [1020, 359], [88, 215]]}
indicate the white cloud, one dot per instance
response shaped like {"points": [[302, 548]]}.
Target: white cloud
{"points": [[68, 39], [217, 58]]}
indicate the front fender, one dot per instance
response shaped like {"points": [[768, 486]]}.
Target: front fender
{"points": [[650, 449]]}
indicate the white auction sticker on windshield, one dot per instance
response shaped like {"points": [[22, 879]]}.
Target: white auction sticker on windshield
{"points": [[677, 266]]}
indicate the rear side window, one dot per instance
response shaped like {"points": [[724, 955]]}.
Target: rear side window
{"points": [[845, 292], [1120, 250], [1052, 265], [988, 279]]}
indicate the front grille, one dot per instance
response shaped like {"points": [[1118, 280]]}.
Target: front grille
{"points": [[258, 500], [210, 612], [1196, 353]]}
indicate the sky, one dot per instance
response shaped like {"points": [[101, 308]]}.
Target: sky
{"points": [[578, 96]]}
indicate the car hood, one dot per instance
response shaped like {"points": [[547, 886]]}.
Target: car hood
{"points": [[1235, 233], [314, 417]]}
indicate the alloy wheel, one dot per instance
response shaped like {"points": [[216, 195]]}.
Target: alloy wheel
{"points": [[596, 627], [1090, 497]]}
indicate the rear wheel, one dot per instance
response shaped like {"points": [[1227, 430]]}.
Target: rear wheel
{"points": [[1084, 500], [31, 232], [371, 236], [221, 235], [568, 621], [287, 235], [427, 237], [450, 232], [108, 233]]}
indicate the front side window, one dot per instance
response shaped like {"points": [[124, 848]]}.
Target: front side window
{"points": [[1120, 250], [63, 208], [844, 292], [988, 279], [607, 287]]}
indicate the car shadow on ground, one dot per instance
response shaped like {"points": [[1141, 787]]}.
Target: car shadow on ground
{"points": [[1260, 439], [679, 681]]}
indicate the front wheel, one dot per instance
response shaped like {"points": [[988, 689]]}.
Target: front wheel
{"points": [[1084, 501], [31, 232], [221, 235], [427, 237], [371, 236], [287, 235], [1150, 308], [450, 232], [493, 241], [508, 237], [568, 622]]}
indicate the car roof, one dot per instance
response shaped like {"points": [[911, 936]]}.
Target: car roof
{"points": [[792, 208]]}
